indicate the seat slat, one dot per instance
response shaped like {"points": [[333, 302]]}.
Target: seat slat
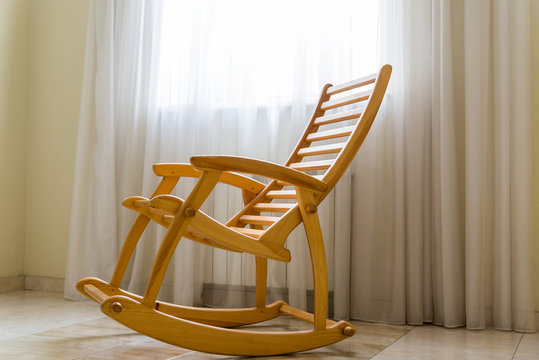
{"points": [[340, 116], [258, 219], [282, 183], [330, 134], [273, 207], [249, 232], [362, 81], [334, 103], [312, 165], [281, 194], [322, 149]]}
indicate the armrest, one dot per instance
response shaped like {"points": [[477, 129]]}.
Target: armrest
{"points": [[187, 170], [258, 167]]}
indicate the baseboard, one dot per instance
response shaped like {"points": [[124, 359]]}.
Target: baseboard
{"points": [[11, 283], [42, 283]]}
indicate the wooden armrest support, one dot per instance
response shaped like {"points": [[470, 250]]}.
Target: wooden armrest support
{"points": [[258, 167], [187, 170]]}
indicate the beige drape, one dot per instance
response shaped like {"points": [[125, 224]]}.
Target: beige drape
{"points": [[431, 224], [442, 192]]}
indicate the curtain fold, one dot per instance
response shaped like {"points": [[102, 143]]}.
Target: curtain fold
{"points": [[154, 92], [447, 238], [432, 223]]}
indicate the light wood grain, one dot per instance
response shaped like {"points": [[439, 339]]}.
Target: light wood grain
{"points": [[200, 192], [95, 288], [165, 186], [338, 102], [273, 207], [281, 194], [228, 237], [340, 116], [187, 170], [302, 315], [208, 329], [362, 81], [261, 281], [200, 337], [330, 134], [257, 167], [321, 150], [258, 219], [312, 165], [254, 233], [313, 231]]}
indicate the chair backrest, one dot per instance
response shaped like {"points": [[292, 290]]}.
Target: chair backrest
{"points": [[349, 109], [333, 136]]}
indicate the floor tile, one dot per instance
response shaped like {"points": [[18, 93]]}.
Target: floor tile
{"points": [[40, 325], [528, 348], [369, 340], [436, 342], [133, 353]]}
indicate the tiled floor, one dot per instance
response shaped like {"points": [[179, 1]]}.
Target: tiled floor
{"points": [[40, 325]]}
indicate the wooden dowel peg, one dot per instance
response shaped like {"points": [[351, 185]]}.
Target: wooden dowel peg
{"points": [[116, 307], [190, 212]]}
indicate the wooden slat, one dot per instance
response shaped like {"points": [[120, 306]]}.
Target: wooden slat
{"points": [[281, 194], [282, 183], [365, 80], [273, 207], [249, 232], [93, 291], [312, 165], [334, 103], [168, 218], [322, 149], [302, 315], [340, 116], [258, 219], [257, 167], [330, 134]]}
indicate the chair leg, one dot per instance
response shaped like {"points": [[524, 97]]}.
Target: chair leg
{"points": [[261, 280], [127, 249], [196, 198], [165, 187], [318, 255]]}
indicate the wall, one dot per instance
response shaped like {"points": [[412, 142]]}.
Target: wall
{"points": [[57, 41], [14, 21], [534, 15]]}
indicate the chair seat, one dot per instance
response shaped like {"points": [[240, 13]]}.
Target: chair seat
{"points": [[270, 214], [163, 209]]}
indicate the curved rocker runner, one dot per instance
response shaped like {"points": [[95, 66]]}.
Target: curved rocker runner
{"points": [[219, 330]]}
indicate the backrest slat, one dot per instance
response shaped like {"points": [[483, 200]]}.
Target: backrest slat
{"points": [[329, 143], [335, 103], [362, 81], [340, 116]]}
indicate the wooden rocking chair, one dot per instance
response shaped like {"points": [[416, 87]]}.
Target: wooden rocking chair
{"points": [[215, 330]]}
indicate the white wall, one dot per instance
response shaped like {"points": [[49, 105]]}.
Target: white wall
{"points": [[57, 42], [14, 21]]}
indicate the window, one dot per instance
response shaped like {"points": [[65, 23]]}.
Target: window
{"points": [[235, 52]]}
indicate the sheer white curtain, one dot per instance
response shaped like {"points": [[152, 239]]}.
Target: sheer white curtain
{"points": [[432, 223], [442, 192], [165, 80]]}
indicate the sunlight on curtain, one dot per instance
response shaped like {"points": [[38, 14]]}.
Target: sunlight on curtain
{"points": [[236, 53], [436, 210], [443, 233], [172, 79]]}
